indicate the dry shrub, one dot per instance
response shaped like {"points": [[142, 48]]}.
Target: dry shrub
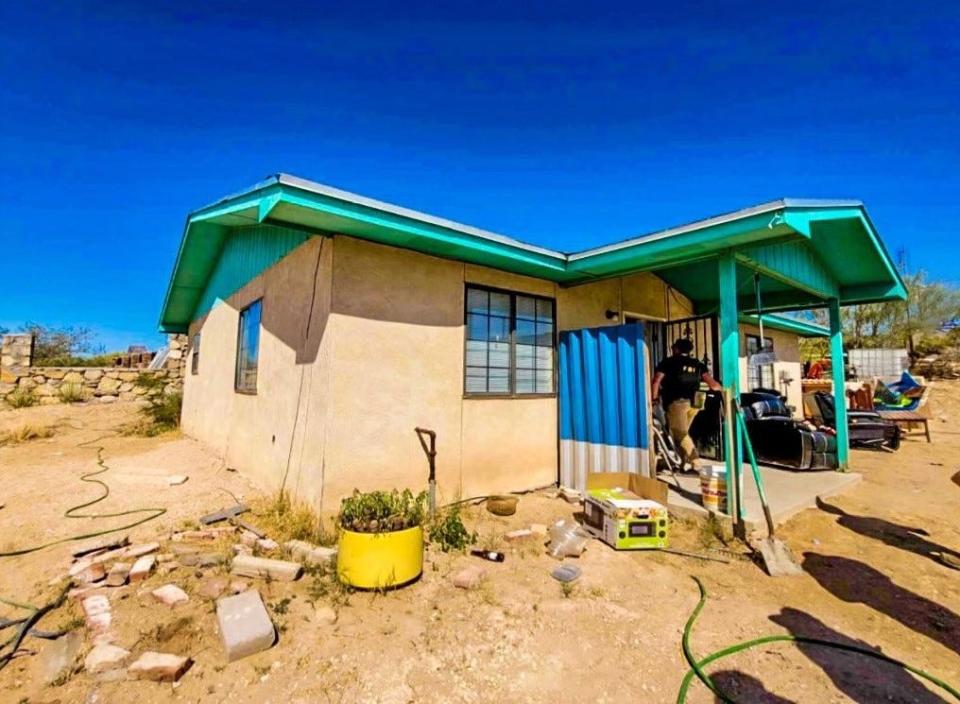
{"points": [[25, 433]]}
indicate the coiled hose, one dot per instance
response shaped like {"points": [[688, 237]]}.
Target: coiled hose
{"points": [[74, 511], [696, 666]]}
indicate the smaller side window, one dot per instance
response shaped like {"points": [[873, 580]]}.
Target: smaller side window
{"points": [[195, 359], [248, 348]]}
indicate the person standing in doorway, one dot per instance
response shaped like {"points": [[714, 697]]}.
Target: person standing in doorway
{"points": [[675, 382]]}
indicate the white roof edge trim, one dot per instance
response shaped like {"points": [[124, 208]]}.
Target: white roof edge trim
{"points": [[356, 199]]}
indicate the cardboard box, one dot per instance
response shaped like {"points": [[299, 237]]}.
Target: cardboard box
{"points": [[627, 511]]}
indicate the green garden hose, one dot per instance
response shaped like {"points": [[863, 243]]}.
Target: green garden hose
{"points": [[696, 666], [73, 511]]}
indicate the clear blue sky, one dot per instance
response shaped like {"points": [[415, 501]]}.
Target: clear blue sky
{"points": [[568, 127]]}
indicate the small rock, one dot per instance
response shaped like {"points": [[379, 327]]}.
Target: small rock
{"points": [[142, 568], [177, 479], [249, 538], [245, 625], [105, 543], [539, 529], [159, 667], [238, 586], [327, 615], [142, 549], [118, 574], [521, 534], [469, 577], [202, 559], [170, 595], [57, 659], [267, 545], [212, 587], [566, 573], [105, 657]]}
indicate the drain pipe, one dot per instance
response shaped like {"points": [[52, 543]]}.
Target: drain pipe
{"points": [[431, 453]]}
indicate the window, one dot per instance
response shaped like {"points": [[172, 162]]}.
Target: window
{"points": [[195, 359], [248, 348], [509, 343], [759, 376]]}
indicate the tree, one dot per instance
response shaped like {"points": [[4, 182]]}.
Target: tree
{"points": [[59, 346]]}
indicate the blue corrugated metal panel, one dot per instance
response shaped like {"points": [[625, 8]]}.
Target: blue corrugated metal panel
{"points": [[603, 402], [247, 252]]}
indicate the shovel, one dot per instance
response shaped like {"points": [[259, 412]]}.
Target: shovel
{"points": [[777, 558]]}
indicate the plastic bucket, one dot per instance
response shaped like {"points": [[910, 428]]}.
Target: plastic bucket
{"points": [[713, 487]]}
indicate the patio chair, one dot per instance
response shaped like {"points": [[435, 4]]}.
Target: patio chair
{"points": [[781, 441]]}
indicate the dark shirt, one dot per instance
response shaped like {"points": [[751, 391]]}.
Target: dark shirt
{"points": [[681, 378]]}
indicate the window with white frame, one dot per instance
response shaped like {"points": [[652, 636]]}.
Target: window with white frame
{"points": [[248, 348], [509, 343]]}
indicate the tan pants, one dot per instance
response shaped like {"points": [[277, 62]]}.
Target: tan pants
{"points": [[679, 418]]}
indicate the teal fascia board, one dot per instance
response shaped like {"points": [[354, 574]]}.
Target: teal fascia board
{"points": [[292, 204], [786, 324]]}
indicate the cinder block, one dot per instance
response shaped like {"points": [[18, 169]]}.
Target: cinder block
{"points": [[245, 625]]}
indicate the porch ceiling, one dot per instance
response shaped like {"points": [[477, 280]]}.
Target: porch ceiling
{"points": [[806, 251]]}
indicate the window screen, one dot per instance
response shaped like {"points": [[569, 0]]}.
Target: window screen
{"points": [[248, 348], [509, 343]]}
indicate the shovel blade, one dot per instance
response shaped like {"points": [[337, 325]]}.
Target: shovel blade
{"points": [[777, 558]]}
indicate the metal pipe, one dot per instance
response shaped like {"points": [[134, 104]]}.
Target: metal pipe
{"points": [[431, 452]]}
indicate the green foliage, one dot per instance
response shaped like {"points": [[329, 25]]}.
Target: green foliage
{"points": [[382, 511], [72, 393], [449, 533], [163, 410], [61, 346], [22, 398]]}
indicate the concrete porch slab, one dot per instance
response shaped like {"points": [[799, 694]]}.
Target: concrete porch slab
{"points": [[788, 492]]}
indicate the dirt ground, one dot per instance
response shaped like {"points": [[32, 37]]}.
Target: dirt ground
{"points": [[871, 578]]}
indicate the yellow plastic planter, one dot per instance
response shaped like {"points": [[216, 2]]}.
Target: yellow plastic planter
{"points": [[380, 560]]}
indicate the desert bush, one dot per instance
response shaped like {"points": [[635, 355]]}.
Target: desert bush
{"points": [[73, 393], [286, 519], [25, 433], [162, 410], [382, 511], [449, 533], [22, 398]]}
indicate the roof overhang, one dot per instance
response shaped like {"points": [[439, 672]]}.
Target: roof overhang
{"points": [[798, 247], [784, 323]]}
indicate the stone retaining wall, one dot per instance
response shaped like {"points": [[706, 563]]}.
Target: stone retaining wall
{"points": [[99, 384]]}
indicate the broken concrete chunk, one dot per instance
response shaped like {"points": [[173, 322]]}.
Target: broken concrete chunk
{"points": [[521, 534], [177, 479], [569, 495], [202, 559], [57, 658], [267, 545], [170, 594], [279, 570], [245, 625], [135, 551], [159, 667], [248, 538], [238, 586], [104, 543], [97, 614], [469, 577], [93, 573], [310, 554], [539, 529], [142, 568], [105, 657], [118, 574]]}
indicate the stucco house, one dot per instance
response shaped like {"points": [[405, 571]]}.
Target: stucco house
{"points": [[325, 326]]}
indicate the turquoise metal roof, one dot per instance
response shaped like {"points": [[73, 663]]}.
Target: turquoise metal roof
{"points": [[784, 240]]}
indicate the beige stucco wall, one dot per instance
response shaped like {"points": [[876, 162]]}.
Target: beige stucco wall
{"points": [[786, 345], [341, 391]]}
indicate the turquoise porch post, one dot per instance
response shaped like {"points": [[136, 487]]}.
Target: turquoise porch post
{"points": [[839, 385], [730, 377]]}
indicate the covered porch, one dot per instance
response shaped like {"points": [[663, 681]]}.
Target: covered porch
{"points": [[783, 256]]}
